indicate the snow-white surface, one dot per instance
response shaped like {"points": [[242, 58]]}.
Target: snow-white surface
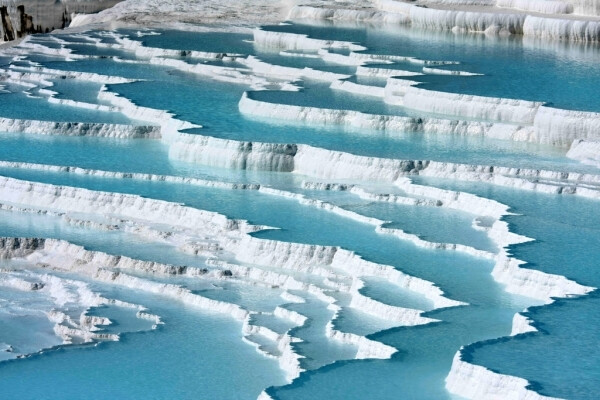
{"points": [[69, 257], [537, 6], [588, 152], [476, 382], [77, 200], [246, 13], [561, 127], [341, 270], [64, 301], [309, 258], [562, 29], [372, 122], [585, 7], [477, 107], [294, 41], [291, 256], [357, 88], [439, 71], [533, 283], [586, 185], [233, 154], [289, 73], [333, 13], [521, 324], [575, 20], [61, 255], [468, 21], [497, 118]]}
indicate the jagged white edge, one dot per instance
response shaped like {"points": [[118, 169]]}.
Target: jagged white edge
{"points": [[367, 348], [401, 315], [473, 381], [299, 54], [388, 58], [383, 72], [308, 12], [79, 129], [476, 382], [322, 205], [337, 58], [312, 258], [544, 181], [417, 241], [391, 124], [177, 59], [585, 151], [360, 59], [58, 254], [290, 73], [439, 71], [228, 74], [243, 76], [479, 107], [433, 197], [26, 46], [264, 396], [43, 73], [498, 118], [487, 21], [78, 200], [224, 74], [497, 23], [288, 359], [64, 256], [170, 126], [282, 157], [507, 271], [34, 197], [53, 200], [562, 29], [293, 41], [379, 224], [533, 283], [107, 224], [141, 51], [328, 164], [128, 175], [521, 324], [64, 293], [356, 88], [538, 6], [470, 21]]}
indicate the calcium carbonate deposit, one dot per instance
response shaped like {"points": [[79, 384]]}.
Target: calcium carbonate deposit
{"points": [[299, 200]]}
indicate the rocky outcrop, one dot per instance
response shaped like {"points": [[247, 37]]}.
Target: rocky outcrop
{"points": [[19, 247], [44, 15], [8, 32]]}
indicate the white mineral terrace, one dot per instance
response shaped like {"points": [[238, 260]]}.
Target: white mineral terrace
{"points": [[332, 275]]}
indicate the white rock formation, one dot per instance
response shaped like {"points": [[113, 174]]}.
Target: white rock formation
{"points": [[587, 152], [476, 382]]}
